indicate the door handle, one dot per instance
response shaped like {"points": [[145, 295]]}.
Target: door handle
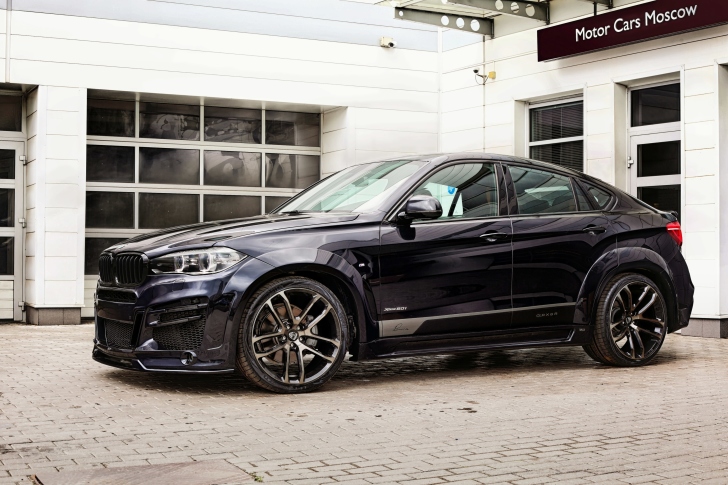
{"points": [[594, 230], [494, 236]]}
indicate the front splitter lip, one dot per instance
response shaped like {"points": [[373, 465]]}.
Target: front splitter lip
{"points": [[131, 362]]}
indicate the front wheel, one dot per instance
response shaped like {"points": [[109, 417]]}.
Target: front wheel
{"points": [[293, 336], [631, 322]]}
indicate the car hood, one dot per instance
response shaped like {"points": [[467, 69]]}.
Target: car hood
{"points": [[222, 233]]}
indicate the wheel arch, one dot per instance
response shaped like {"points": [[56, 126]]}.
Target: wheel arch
{"points": [[327, 268], [642, 261]]}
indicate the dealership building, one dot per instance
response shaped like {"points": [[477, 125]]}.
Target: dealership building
{"points": [[121, 118]]}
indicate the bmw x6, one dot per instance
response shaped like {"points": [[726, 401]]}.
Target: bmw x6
{"points": [[431, 254]]}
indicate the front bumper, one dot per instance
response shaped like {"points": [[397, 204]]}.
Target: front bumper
{"points": [[174, 323]]}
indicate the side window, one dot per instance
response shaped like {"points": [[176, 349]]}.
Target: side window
{"points": [[581, 198], [465, 190], [540, 192], [599, 197]]}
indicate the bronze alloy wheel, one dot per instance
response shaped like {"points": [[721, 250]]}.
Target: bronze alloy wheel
{"points": [[631, 322], [294, 337]]}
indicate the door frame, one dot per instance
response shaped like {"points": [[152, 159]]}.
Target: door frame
{"points": [[635, 182], [17, 231]]}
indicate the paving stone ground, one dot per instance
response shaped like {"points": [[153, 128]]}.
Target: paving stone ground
{"points": [[517, 416]]}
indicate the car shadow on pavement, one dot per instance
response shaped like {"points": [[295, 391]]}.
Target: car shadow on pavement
{"points": [[498, 364]]}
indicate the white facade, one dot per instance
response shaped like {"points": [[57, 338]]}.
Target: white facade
{"points": [[323, 56]]}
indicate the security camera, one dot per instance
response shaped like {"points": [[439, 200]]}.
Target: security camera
{"points": [[387, 42], [476, 71]]}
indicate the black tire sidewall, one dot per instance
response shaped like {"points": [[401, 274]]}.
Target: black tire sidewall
{"points": [[245, 348], [613, 353]]}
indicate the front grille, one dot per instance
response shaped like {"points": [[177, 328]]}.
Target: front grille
{"points": [[116, 296], [127, 269], [184, 336], [106, 270], [130, 269], [118, 334]]}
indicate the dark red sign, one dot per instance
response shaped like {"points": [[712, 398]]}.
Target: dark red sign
{"points": [[642, 22]]}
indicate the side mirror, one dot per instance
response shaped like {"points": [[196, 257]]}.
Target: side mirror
{"points": [[421, 207]]}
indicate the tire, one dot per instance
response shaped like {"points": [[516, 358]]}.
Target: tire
{"points": [[631, 322], [273, 340]]}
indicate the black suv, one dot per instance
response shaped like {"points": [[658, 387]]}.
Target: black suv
{"points": [[429, 254]]}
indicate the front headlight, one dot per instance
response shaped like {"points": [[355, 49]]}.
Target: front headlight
{"points": [[199, 261]]}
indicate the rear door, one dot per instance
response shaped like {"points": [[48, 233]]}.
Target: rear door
{"points": [[558, 234], [450, 275]]}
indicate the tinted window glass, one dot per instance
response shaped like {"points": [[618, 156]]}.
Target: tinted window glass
{"points": [[569, 155], [11, 113], [219, 207], [466, 190], [582, 198], [540, 192], [299, 129], [110, 209], [106, 117], [157, 211], [7, 164], [655, 159], [169, 121], [232, 125], [271, 202], [235, 169], [169, 166], [7, 207], [109, 164], [291, 171], [653, 106], [93, 248], [7, 255], [560, 121], [599, 197], [661, 197]]}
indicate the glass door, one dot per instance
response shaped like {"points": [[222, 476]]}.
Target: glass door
{"points": [[11, 230], [655, 170]]}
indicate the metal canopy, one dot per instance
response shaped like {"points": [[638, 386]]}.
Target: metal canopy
{"points": [[606, 3], [466, 23], [520, 8]]}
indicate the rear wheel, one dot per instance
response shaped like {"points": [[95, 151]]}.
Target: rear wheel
{"points": [[631, 322], [293, 336]]}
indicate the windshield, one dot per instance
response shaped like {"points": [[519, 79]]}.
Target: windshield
{"points": [[356, 189]]}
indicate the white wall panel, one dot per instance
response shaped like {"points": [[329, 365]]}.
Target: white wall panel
{"points": [[464, 119], [211, 63], [201, 40], [410, 121], [126, 79], [387, 141], [462, 141]]}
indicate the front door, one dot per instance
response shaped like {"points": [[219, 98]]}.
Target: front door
{"points": [[453, 274], [655, 170], [11, 230], [557, 237]]}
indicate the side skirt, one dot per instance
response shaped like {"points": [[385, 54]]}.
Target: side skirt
{"points": [[470, 342]]}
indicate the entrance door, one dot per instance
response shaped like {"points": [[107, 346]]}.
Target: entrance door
{"points": [[655, 170], [11, 231]]}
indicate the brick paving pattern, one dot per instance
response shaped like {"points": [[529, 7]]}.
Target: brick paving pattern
{"points": [[518, 417]]}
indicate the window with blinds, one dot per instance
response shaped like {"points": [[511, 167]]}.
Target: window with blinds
{"points": [[556, 134]]}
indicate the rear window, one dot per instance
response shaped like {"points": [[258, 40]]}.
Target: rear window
{"points": [[540, 192], [598, 196]]}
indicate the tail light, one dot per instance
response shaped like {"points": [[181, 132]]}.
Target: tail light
{"points": [[675, 231]]}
